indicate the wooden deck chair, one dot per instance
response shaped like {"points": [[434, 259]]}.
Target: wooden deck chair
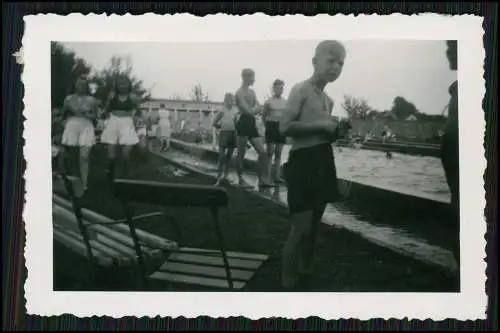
{"points": [[173, 195], [102, 254]]}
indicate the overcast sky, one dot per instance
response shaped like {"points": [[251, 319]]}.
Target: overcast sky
{"points": [[377, 71]]}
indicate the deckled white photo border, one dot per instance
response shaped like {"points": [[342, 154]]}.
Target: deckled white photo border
{"points": [[41, 29]]}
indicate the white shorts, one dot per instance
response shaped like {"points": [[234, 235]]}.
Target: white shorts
{"points": [[78, 132], [163, 131], [119, 130]]}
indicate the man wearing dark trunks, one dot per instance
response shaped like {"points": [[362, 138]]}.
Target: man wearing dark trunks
{"points": [[272, 112], [310, 171], [246, 129]]}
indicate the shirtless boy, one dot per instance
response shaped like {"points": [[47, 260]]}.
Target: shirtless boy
{"points": [[272, 112], [310, 171], [246, 129]]}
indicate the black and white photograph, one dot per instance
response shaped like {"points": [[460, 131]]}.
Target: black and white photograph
{"points": [[255, 172]]}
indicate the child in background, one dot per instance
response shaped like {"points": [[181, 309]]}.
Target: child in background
{"points": [[225, 121]]}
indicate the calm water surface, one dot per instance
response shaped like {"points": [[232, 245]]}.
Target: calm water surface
{"points": [[416, 175]]}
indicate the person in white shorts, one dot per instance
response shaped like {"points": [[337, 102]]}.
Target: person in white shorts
{"points": [[164, 128], [225, 121], [80, 114], [119, 131]]}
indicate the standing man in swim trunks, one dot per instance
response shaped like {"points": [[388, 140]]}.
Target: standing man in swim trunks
{"points": [[246, 128], [310, 171], [272, 113], [450, 149]]}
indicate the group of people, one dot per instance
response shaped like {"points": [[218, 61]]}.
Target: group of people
{"points": [[305, 118], [238, 126], [124, 127]]}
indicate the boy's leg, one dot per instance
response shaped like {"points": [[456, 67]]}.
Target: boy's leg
{"points": [[277, 162], [311, 233], [221, 162], [270, 151], [241, 143], [294, 248], [112, 152], [258, 144], [229, 155]]}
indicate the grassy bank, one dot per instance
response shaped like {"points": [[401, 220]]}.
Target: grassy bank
{"points": [[344, 262]]}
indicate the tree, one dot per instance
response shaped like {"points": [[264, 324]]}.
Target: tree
{"points": [[356, 107], [402, 108], [66, 68], [117, 68]]}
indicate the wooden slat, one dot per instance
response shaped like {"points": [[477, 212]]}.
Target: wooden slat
{"points": [[66, 218], [104, 249], [152, 241], [105, 231], [79, 248], [214, 261], [231, 254], [108, 242], [148, 239], [219, 272], [202, 281]]}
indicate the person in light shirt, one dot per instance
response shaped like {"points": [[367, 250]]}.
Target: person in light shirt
{"points": [[80, 116], [225, 122], [164, 128], [122, 107]]}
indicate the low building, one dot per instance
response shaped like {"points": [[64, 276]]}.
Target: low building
{"points": [[190, 113]]}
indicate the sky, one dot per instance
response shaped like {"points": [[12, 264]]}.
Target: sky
{"points": [[377, 71]]}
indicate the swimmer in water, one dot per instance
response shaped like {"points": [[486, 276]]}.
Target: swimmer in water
{"points": [[246, 129], [310, 170]]}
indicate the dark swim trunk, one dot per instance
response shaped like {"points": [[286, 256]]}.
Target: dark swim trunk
{"points": [[273, 134], [311, 177], [227, 139], [246, 126]]}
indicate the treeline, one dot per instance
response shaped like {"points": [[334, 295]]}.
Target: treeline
{"points": [[402, 109], [67, 67]]}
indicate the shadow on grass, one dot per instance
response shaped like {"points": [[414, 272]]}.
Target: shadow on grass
{"points": [[344, 262]]}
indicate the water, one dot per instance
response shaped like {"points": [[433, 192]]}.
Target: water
{"points": [[388, 236], [416, 175]]}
